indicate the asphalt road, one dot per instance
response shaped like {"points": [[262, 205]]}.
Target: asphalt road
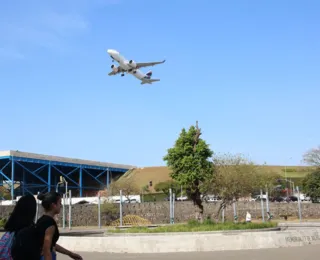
{"points": [[293, 253]]}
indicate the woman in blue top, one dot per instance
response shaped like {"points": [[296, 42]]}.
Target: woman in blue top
{"points": [[22, 216]]}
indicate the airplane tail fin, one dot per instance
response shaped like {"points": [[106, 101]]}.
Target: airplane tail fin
{"points": [[149, 73]]}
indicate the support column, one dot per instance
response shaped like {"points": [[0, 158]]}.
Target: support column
{"points": [[12, 178], [108, 178], [24, 182], [80, 180], [49, 177]]}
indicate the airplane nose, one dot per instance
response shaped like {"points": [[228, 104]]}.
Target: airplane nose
{"points": [[112, 52]]}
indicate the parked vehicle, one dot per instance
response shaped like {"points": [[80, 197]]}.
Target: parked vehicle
{"points": [[291, 199], [277, 199]]}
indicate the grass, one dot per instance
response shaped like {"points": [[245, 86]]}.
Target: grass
{"points": [[194, 226], [296, 174], [154, 197]]}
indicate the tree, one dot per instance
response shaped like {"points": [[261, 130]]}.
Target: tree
{"points": [[108, 210], [266, 178], [311, 185], [237, 177], [188, 161], [166, 185], [127, 186], [312, 157], [5, 193]]}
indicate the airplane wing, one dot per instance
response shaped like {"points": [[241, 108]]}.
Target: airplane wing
{"points": [[148, 64], [119, 70]]}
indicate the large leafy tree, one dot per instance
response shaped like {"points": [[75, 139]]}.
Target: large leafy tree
{"points": [[311, 185], [189, 163]]}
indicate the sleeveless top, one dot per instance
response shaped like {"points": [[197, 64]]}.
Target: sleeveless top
{"points": [[43, 223]]}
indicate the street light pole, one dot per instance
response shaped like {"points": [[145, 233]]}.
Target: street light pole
{"points": [[64, 197], [57, 186]]}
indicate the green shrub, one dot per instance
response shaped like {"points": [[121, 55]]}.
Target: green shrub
{"points": [[2, 222]]}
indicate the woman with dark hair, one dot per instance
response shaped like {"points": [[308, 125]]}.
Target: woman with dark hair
{"points": [[47, 226], [22, 216]]}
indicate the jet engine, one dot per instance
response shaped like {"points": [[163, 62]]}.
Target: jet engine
{"points": [[132, 64], [114, 68]]}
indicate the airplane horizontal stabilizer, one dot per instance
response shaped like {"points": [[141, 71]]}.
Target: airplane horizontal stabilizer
{"points": [[149, 81]]}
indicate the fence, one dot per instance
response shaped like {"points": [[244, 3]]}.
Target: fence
{"points": [[177, 212], [96, 212]]}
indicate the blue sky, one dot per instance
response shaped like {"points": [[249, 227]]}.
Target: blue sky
{"points": [[248, 71]]}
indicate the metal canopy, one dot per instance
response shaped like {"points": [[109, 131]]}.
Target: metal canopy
{"points": [[22, 174]]}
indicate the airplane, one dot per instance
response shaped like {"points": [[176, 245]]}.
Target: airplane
{"points": [[131, 67]]}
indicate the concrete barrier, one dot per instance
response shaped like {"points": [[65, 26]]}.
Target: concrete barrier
{"points": [[191, 242]]}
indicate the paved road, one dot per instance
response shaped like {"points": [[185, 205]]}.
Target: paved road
{"points": [[293, 253]]}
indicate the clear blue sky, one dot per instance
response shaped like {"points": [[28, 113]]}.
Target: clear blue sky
{"points": [[248, 71]]}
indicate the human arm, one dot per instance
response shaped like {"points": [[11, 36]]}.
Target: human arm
{"points": [[64, 251], [46, 249]]}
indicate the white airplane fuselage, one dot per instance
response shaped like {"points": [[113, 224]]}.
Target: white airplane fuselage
{"points": [[124, 64]]}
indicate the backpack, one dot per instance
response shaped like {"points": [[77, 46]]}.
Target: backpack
{"points": [[26, 244], [5, 245]]}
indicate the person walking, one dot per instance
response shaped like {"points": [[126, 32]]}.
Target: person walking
{"points": [[22, 216], [47, 227]]}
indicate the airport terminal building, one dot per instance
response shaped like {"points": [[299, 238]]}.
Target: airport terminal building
{"points": [[33, 173]]}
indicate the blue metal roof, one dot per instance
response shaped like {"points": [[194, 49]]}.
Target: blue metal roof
{"points": [[65, 164]]}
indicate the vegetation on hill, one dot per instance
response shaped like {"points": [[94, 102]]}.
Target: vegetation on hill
{"points": [[159, 174]]}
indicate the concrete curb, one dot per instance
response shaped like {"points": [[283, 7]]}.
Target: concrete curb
{"points": [[303, 224], [225, 232], [192, 242]]}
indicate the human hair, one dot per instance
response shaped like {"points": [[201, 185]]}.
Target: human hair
{"points": [[48, 199], [23, 214]]}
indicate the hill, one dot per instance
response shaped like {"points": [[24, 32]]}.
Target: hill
{"points": [[142, 176]]}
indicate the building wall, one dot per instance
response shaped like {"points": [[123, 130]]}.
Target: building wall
{"points": [[158, 212]]}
